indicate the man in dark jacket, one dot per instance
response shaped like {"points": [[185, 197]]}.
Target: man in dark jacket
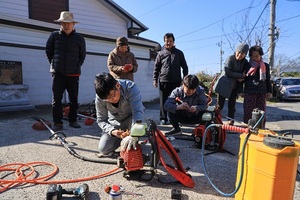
{"points": [[167, 72], [66, 52], [186, 104]]}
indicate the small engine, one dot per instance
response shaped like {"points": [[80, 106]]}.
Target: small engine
{"points": [[198, 135], [131, 159], [256, 115]]}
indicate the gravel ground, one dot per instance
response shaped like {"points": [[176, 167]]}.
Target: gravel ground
{"points": [[21, 144]]}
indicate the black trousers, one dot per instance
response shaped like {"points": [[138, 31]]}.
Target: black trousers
{"points": [[165, 90], [181, 117], [61, 83], [231, 103]]}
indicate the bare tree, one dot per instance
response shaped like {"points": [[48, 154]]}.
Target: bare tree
{"points": [[249, 31]]}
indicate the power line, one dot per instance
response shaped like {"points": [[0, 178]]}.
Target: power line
{"points": [[294, 55], [155, 9], [218, 36], [257, 20], [250, 7]]}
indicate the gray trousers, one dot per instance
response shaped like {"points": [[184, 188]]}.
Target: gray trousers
{"points": [[108, 143]]}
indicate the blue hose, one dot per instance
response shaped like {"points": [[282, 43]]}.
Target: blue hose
{"points": [[242, 166], [243, 157]]}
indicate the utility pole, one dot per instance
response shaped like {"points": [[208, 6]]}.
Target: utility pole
{"points": [[220, 44], [272, 34]]}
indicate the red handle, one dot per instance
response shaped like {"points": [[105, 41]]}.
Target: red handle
{"points": [[178, 99], [235, 128]]}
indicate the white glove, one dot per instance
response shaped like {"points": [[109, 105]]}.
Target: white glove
{"points": [[128, 142]]}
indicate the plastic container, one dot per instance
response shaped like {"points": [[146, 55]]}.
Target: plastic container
{"points": [[269, 170], [138, 129], [115, 193]]}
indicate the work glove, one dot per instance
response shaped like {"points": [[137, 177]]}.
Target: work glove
{"points": [[128, 142]]}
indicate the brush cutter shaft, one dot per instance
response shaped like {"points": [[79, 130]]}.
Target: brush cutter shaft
{"points": [[45, 124], [85, 116]]}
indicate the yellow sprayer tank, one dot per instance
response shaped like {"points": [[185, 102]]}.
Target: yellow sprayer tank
{"points": [[270, 168]]}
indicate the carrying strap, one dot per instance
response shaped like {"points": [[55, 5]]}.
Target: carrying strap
{"points": [[179, 173]]}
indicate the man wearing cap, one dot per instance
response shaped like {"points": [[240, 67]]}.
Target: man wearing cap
{"points": [[121, 62], [66, 51], [229, 83]]}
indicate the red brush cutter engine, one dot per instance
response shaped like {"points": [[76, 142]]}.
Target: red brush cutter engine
{"points": [[131, 159], [198, 135], [215, 137]]}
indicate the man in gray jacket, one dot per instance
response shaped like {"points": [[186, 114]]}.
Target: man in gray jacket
{"points": [[118, 106]]}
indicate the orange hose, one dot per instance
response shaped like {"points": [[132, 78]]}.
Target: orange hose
{"points": [[22, 178]]}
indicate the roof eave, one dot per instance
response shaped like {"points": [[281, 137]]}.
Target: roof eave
{"points": [[135, 27]]}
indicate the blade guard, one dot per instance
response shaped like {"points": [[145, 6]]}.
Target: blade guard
{"points": [[179, 172]]}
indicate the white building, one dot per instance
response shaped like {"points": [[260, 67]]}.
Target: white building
{"points": [[23, 39]]}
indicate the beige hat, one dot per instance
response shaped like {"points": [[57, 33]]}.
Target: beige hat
{"points": [[66, 16]]}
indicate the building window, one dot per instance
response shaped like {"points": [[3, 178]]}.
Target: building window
{"points": [[47, 10]]}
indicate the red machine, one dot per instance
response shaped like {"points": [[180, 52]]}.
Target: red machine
{"points": [[134, 160]]}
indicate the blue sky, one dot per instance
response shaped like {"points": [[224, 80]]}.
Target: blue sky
{"points": [[200, 26]]}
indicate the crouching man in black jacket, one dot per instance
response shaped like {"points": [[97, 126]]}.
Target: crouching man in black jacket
{"points": [[186, 104]]}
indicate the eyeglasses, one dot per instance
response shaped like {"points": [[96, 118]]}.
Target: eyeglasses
{"points": [[112, 96]]}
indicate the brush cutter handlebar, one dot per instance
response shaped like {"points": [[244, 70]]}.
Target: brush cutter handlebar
{"points": [[57, 135], [235, 128]]}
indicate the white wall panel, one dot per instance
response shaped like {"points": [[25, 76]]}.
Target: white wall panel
{"points": [[17, 8]]}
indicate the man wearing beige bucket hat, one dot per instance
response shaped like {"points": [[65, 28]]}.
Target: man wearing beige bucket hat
{"points": [[66, 51]]}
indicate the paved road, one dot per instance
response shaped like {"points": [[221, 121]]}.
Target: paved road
{"points": [[20, 143]]}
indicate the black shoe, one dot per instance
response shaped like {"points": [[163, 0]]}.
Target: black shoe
{"points": [[230, 122], [163, 122], [57, 127], [174, 131], [74, 125]]}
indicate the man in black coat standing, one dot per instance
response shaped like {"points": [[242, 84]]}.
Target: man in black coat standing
{"points": [[66, 51], [167, 72]]}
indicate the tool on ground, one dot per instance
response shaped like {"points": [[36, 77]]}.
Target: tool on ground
{"points": [[265, 153], [114, 192], [61, 137], [55, 192], [38, 125], [176, 194], [88, 120], [88, 115], [270, 163], [135, 160]]}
